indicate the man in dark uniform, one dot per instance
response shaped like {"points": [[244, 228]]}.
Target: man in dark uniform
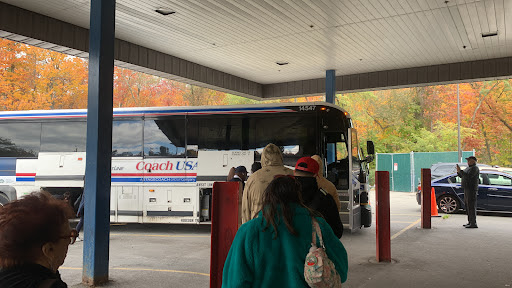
{"points": [[470, 177], [240, 175]]}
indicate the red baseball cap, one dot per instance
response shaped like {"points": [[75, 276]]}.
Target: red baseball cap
{"points": [[307, 164]]}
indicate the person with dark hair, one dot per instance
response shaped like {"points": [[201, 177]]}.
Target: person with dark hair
{"points": [[317, 198], [255, 167], [270, 250], [231, 174], [34, 240]]}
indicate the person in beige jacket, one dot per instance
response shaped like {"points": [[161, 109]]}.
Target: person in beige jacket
{"points": [[326, 184], [271, 165]]}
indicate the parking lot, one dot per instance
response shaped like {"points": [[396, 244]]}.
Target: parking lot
{"points": [[445, 256]]}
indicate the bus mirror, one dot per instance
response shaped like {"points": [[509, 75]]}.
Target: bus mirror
{"points": [[370, 148]]}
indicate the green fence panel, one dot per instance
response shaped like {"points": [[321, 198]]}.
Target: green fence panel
{"points": [[426, 159], [385, 163], [401, 176], [405, 168], [399, 167]]}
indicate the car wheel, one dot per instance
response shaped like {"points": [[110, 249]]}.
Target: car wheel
{"points": [[448, 204], [3, 199]]}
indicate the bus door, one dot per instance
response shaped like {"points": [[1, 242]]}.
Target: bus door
{"points": [[354, 165], [338, 171], [344, 174]]}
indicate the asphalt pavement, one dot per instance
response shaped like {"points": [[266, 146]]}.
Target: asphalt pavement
{"points": [[448, 255]]}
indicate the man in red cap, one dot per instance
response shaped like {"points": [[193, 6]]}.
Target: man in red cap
{"points": [[315, 198]]}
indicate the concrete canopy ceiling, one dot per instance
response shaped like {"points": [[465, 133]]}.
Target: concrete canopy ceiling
{"points": [[360, 39]]}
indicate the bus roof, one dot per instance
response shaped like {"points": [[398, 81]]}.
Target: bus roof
{"points": [[171, 110]]}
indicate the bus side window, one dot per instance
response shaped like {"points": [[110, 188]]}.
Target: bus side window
{"points": [[164, 137], [16, 144], [69, 136], [126, 138]]}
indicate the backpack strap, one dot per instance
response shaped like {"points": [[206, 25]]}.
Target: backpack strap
{"points": [[316, 232]]}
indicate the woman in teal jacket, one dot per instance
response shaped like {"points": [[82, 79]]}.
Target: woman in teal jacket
{"points": [[270, 250]]}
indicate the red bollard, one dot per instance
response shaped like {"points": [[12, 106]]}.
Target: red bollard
{"points": [[224, 226], [383, 216], [426, 221]]}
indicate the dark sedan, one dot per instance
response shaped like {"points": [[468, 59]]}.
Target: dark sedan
{"points": [[494, 192]]}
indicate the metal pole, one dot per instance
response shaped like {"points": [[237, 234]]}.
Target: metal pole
{"points": [[330, 92], [458, 124], [330, 86], [426, 201], [99, 143], [382, 213]]}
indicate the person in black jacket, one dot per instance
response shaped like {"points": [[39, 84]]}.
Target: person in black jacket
{"points": [[34, 237], [315, 198], [240, 175], [470, 177]]}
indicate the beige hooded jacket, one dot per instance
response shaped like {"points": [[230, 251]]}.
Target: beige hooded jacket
{"points": [[271, 165], [326, 184]]}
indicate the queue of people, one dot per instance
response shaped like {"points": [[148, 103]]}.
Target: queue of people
{"points": [[286, 213], [280, 208]]}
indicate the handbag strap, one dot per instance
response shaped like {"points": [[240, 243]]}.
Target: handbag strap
{"points": [[316, 231]]}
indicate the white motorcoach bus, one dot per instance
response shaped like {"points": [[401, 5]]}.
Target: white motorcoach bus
{"points": [[165, 159]]}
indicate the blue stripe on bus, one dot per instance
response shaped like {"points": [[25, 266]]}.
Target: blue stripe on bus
{"points": [[209, 110], [126, 180], [25, 179], [130, 180], [155, 179], [120, 113], [45, 114]]}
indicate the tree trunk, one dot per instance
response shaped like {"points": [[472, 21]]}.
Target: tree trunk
{"points": [[487, 148]]}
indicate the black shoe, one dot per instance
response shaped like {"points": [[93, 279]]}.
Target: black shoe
{"points": [[471, 226], [465, 225]]}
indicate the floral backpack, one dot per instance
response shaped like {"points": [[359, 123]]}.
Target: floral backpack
{"points": [[319, 271]]}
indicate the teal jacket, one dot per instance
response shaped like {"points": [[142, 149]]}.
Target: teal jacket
{"points": [[257, 260]]}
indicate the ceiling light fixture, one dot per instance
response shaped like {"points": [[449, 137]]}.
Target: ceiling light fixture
{"points": [[489, 34], [281, 63], [165, 11]]}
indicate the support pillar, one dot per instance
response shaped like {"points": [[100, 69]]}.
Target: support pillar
{"points": [[226, 212], [99, 143], [383, 220], [426, 201], [330, 94]]}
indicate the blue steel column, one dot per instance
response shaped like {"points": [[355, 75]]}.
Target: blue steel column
{"points": [[330, 92], [99, 142]]}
